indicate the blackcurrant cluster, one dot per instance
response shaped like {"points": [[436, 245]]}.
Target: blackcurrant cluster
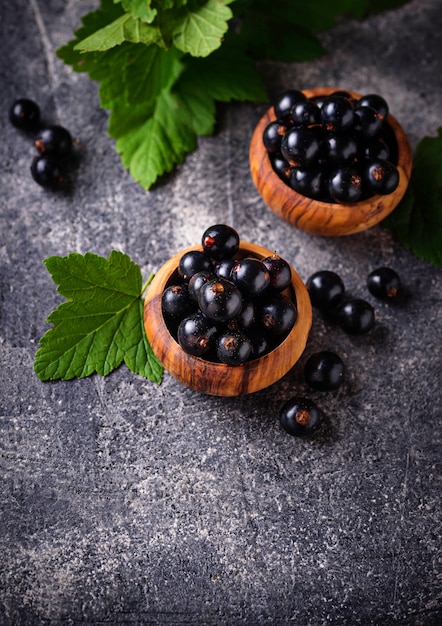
{"points": [[325, 370], [333, 148], [226, 307], [54, 145]]}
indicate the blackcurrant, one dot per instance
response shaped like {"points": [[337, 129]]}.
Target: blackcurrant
{"points": [[384, 283], [48, 173], [376, 102], [55, 140], [277, 314], [220, 241], [192, 262], [223, 268], [285, 103], [367, 121], [300, 416], [356, 316], [220, 300], [326, 289], [305, 113], [300, 146], [273, 133], [260, 343], [337, 113], [251, 276], [197, 281], [176, 302], [279, 271], [233, 348], [196, 334], [280, 166], [340, 147], [324, 371], [308, 181], [345, 185], [25, 114], [382, 177]]}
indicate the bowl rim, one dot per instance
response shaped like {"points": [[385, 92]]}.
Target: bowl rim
{"points": [[316, 216], [224, 380]]}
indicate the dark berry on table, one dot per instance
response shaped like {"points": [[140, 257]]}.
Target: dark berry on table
{"points": [[220, 300], [277, 314], [324, 371], [345, 185], [384, 283], [223, 268], [308, 181], [251, 276], [285, 103], [300, 146], [367, 121], [376, 102], [25, 114], [273, 133], [280, 166], [55, 140], [220, 241], [305, 113], [337, 113], [233, 348], [47, 172], [192, 262], [382, 177], [340, 147], [197, 281], [279, 271], [176, 302], [196, 334], [326, 289], [356, 316], [300, 416]]}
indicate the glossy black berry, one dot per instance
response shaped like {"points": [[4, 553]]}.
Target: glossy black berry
{"points": [[197, 281], [382, 177], [251, 276], [305, 113], [220, 241], [367, 121], [277, 314], [176, 302], [356, 316], [326, 289], [376, 102], [384, 283], [272, 135], [340, 147], [300, 146], [337, 113], [247, 315], [324, 371], [280, 166], [345, 185], [279, 271], [47, 172], [25, 114], [308, 181], [192, 262], [220, 300], [54, 140], [196, 334], [224, 268], [300, 416], [285, 103], [233, 348]]}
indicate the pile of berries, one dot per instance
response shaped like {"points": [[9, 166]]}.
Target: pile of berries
{"points": [[333, 148], [49, 168], [225, 307], [325, 370]]}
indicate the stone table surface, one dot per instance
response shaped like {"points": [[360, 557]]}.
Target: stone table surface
{"points": [[125, 502]]}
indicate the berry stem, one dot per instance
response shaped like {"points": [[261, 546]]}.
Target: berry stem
{"points": [[147, 283]]}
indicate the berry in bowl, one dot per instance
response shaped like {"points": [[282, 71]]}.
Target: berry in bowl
{"points": [[330, 162], [227, 317]]}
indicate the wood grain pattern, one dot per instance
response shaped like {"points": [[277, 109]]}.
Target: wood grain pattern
{"points": [[217, 378], [324, 218]]}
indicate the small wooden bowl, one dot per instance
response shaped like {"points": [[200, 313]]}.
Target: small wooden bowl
{"points": [[217, 378], [325, 218]]}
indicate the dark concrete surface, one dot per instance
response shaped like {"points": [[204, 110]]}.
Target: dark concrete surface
{"points": [[124, 502]]}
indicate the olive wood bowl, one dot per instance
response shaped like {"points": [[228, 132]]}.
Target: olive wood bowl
{"points": [[314, 216], [220, 379]]}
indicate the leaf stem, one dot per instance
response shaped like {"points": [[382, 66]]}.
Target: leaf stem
{"points": [[147, 283]]}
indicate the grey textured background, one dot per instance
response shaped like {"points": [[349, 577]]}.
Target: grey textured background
{"points": [[124, 502]]}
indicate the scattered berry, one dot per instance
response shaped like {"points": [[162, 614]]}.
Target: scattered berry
{"points": [[53, 140], [300, 416], [47, 172], [25, 114], [326, 289], [356, 316], [384, 283], [324, 371]]}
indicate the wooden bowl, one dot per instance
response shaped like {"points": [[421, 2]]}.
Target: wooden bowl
{"points": [[217, 378], [314, 216]]}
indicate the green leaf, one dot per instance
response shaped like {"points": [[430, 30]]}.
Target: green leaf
{"points": [[200, 31], [140, 8], [124, 28], [100, 325], [417, 220]]}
